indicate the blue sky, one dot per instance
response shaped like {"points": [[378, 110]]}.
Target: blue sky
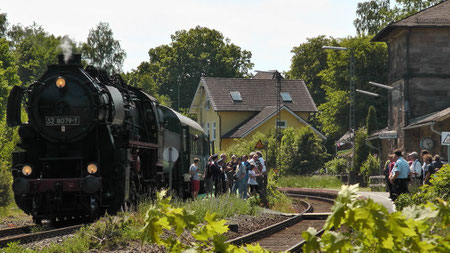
{"points": [[268, 28]]}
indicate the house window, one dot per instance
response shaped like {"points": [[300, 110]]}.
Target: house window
{"points": [[214, 131], [207, 104], [282, 124], [236, 96], [286, 96], [207, 128]]}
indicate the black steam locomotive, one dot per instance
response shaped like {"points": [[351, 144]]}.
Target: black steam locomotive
{"points": [[94, 144]]}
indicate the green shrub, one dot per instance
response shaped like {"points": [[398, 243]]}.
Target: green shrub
{"points": [[361, 225], [5, 186], [226, 205], [370, 167], [439, 188], [337, 166]]}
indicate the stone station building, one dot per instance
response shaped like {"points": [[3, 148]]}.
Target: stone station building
{"points": [[419, 72]]}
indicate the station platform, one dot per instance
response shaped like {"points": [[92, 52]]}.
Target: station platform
{"points": [[380, 197]]}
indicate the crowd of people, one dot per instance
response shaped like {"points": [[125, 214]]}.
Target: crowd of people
{"points": [[243, 175], [400, 173]]}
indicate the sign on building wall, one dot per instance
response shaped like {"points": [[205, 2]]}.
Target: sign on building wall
{"points": [[445, 138], [388, 135]]}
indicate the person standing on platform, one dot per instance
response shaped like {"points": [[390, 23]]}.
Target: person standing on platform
{"points": [[388, 166], [195, 178], [400, 174], [416, 169]]}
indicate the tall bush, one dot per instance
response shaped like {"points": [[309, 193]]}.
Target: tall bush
{"points": [[361, 153], [337, 165], [371, 125], [370, 167]]}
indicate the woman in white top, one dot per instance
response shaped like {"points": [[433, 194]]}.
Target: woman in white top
{"points": [[252, 174]]}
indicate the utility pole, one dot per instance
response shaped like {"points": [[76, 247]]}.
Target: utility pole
{"points": [[352, 110]]}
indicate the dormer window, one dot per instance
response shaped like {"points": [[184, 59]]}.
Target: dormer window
{"points": [[236, 96], [286, 96]]}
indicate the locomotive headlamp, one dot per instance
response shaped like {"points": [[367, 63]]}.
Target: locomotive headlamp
{"points": [[26, 170], [92, 168], [60, 82]]}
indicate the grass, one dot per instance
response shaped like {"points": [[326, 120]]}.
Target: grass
{"points": [[322, 181], [13, 213], [224, 206], [114, 232]]}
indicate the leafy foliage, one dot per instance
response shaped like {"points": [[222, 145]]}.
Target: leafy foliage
{"points": [[162, 216], [370, 167], [200, 51], [370, 65], [439, 187], [102, 50], [361, 149], [373, 15], [308, 61], [370, 228], [8, 74], [337, 165], [371, 125], [34, 49], [302, 151]]}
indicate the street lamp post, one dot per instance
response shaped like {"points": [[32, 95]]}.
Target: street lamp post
{"points": [[352, 110]]}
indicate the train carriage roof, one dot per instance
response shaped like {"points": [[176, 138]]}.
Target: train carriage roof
{"points": [[185, 121]]}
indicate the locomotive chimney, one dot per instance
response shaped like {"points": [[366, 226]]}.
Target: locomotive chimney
{"points": [[74, 59]]}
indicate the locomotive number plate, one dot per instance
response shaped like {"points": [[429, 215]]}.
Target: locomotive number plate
{"points": [[62, 120]]}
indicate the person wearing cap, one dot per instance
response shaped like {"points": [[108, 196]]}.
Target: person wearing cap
{"points": [[416, 169], [208, 178], [223, 172], [215, 174]]}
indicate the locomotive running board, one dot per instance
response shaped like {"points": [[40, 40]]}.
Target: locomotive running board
{"points": [[140, 144]]}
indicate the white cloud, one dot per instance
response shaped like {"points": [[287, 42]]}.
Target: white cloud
{"points": [[269, 28]]}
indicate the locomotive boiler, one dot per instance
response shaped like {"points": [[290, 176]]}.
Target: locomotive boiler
{"points": [[94, 144]]}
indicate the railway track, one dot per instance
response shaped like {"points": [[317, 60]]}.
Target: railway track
{"points": [[25, 234], [286, 235]]}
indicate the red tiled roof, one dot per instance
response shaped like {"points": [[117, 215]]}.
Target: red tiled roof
{"points": [[256, 94], [437, 16]]}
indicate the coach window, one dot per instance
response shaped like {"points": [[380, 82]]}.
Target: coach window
{"points": [[207, 128], [214, 131]]}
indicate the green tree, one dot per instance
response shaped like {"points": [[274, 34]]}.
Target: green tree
{"points": [[3, 25], [178, 67], [308, 61], [370, 65], [361, 153], [371, 125], [34, 49], [8, 73], [374, 15], [102, 50], [302, 151], [142, 78]]}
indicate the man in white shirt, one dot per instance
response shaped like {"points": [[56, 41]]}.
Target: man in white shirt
{"points": [[416, 169]]}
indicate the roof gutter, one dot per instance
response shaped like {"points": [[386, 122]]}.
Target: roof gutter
{"points": [[434, 130], [419, 125]]}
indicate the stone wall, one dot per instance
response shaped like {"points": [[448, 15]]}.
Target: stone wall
{"points": [[429, 51]]}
